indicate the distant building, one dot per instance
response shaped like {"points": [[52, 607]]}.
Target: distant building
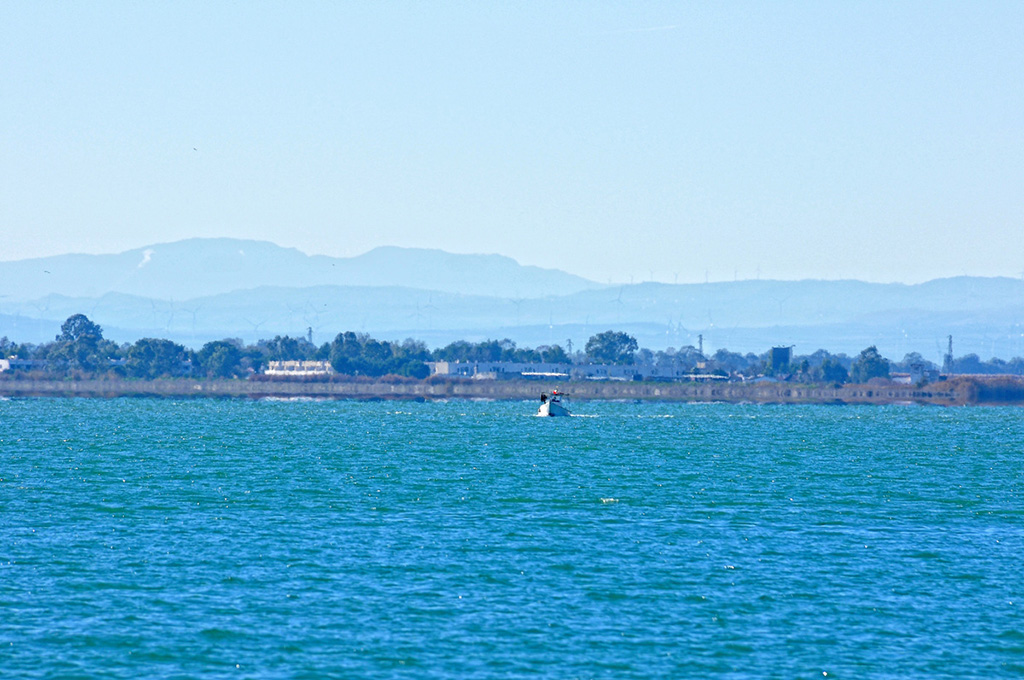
{"points": [[922, 372], [496, 370], [492, 370], [607, 371], [297, 369], [781, 356], [14, 364]]}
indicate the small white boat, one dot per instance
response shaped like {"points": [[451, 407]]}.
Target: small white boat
{"points": [[552, 406]]}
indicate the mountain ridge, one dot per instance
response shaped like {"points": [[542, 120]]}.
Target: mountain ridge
{"points": [[840, 316], [204, 266], [395, 292]]}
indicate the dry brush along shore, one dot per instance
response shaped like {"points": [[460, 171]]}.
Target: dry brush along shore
{"points": [[975, 390]]}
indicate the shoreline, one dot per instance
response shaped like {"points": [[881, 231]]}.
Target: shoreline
{"points": [[996, 390]]}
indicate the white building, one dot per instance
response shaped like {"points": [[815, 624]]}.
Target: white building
{"points": [[298, 369], [491, 370]]}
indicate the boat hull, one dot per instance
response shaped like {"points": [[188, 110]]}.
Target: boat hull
{"points": [[552, 409]]}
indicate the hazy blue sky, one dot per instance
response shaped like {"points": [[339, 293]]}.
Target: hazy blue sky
{"points": [[882, 141]]}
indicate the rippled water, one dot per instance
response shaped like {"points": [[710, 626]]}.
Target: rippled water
{"points": [[458, 540]]}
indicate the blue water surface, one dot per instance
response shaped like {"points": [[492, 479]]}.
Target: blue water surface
{"points": [[205, 538]]}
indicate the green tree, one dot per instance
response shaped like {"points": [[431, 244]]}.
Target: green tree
{"points": [[345, 351], [415, 368], [78, 327], [155, 358], [376, 355], [730, 362], [832, 371], [611, 347], [80, 344], [359, 354], [455, 351], [285, 348], [488, 350], [870, 364], [554, 355], [220, 359], [415, 349]]}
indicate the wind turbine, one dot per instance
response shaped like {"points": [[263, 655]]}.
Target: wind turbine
{"points": [[417, 316], [618, 301], [170, 318], [781, 300], [517, 302], [193, 311], [430, 308], [255, 326]]}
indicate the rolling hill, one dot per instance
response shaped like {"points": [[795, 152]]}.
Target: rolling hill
{"points": [[204, 289]]}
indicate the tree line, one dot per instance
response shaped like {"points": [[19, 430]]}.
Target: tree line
{"points": [[81, 349]]}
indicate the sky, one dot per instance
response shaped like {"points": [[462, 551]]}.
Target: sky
{"points": [[668, 141]]}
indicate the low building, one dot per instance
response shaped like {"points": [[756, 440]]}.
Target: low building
{"points": [[607, 371], [493, 370], [14, 364], [497, 370], [921, 372], [297, 369]]}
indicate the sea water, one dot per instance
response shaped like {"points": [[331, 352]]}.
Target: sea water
{"points": [[205, 538]]}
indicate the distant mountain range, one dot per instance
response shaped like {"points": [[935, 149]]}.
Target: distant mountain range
{"points": [[210, 266], [202, 289]]}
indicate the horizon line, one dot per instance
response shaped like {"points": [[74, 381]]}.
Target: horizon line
{"points": [[633, 280]]}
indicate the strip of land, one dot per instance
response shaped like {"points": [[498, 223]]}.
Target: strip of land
{"points": [[954, 392]]}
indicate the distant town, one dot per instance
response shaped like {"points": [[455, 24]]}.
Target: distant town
{"points": [[80, 350]]}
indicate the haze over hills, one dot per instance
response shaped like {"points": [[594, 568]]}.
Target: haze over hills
{"points": [[209, 266], [204, 289]]}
